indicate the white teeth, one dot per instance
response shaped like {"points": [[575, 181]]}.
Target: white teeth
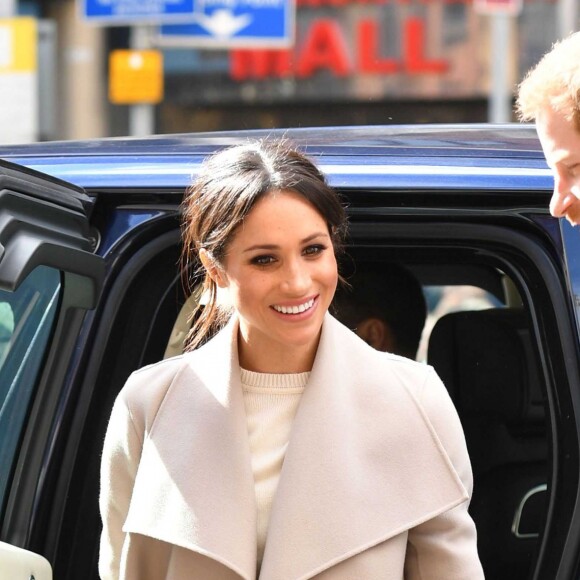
{"points": [[294, 309]]}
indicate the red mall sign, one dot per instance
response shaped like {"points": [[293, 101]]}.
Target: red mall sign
{"points": [[325, 48]]}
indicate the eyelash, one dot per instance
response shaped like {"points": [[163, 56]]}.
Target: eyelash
{"points": [[314, 249], [310, 252], [261, 260]]}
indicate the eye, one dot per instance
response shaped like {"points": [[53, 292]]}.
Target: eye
{"points": [[314, 249], [264, 260]]}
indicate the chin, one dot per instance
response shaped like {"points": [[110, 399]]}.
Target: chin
{"points": [[573, 215], [301, 339]]}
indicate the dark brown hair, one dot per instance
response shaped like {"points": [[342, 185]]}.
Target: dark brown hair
{"points": [[228, 186], [389, 292]]}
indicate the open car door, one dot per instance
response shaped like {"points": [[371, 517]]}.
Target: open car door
{"points": [[18, 564], [49, 277]]}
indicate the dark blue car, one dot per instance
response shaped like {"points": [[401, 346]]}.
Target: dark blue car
{"points": [[90, 289]]}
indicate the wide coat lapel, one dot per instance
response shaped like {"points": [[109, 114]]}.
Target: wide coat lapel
{"points": [[363, 463], [195, 487]]}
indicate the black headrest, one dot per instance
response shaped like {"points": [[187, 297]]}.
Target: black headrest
{"points": [[487, 361]]}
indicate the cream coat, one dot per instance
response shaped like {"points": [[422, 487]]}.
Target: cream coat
{"points": [[375, 483]]}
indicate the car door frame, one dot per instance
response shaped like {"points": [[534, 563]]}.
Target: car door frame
{"points": [[526, 239], [44, 222]]}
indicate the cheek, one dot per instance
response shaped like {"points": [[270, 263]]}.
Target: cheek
{"points": [[573, 213], [331, 274], [247, 290]]}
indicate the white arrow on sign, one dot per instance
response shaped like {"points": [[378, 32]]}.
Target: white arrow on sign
{"points": [[222, 23]]}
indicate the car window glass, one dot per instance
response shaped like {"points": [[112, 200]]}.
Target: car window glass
{"points": [[572, 256], [442, 300], [26, 320], [6, 329], [184, 322]]}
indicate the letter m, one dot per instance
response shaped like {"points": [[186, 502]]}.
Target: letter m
{"points": [[259, 64]]}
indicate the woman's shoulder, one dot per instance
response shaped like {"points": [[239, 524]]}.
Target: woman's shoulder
{"points": [[413, 373], [391, 381], [376, 362], [154, 380], [432, 399], [418, 379], [167, 366], [386, 373], [147, 387]]}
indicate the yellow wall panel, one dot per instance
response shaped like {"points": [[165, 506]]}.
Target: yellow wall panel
{"points": [[18, 44]]}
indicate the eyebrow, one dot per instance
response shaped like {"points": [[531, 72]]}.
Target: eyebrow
{"points": [[277, 247]]}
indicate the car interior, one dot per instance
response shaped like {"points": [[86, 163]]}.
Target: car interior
{"points": [[478, 336], [486, 360]]}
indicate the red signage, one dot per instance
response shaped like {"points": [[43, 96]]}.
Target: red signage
{"points": [[325, 48]]}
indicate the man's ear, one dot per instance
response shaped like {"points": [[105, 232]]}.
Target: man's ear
{"points": [[377, 333], [213, 270]]}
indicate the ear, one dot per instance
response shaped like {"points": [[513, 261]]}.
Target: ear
{"points": [[212, 268], [377, 333]]}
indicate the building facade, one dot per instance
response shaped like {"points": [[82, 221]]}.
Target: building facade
{"points": [[352, 62]]}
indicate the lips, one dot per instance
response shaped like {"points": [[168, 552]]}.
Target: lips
{"points": [[297, 309]]}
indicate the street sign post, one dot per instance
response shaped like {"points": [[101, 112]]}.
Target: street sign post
{"points": [[502, 14], [131, 12], [234, 23]]}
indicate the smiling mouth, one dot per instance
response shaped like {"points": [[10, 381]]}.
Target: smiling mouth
{"points": [[294, 309]]}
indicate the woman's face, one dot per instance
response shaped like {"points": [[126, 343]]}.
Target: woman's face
{"points": [[281, 273]]}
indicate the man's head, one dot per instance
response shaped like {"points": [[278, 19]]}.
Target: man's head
{"points": [[550, 96], [385, 306]]}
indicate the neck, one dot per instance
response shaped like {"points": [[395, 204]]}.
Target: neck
{"points": [[275, 358]]}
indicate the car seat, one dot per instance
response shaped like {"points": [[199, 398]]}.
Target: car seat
{"points": [[488, 363]]}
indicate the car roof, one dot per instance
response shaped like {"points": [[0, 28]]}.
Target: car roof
{"points": [[478, 156]]}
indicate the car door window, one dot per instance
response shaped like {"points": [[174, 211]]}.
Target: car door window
{"points": [[454, 298], [26, 320], [572, 257], [487, 307]]}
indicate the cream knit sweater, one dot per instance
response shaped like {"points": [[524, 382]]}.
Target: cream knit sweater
{"points": [[271, 401]]}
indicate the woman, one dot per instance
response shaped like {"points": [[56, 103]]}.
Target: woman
{"points": [[284, 447]]}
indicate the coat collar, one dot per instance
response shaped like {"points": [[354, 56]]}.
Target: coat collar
{"points": [[358, 467], [354, 472], [195, 487]]}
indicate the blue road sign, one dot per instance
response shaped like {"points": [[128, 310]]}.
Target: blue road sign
{"points": [[128, 12], [234, 23]]}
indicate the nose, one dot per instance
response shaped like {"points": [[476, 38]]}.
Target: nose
{"points": [[296, 278], [562, 198]]}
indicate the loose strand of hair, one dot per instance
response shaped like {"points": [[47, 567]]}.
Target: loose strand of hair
{"points": [[209, 320]]}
